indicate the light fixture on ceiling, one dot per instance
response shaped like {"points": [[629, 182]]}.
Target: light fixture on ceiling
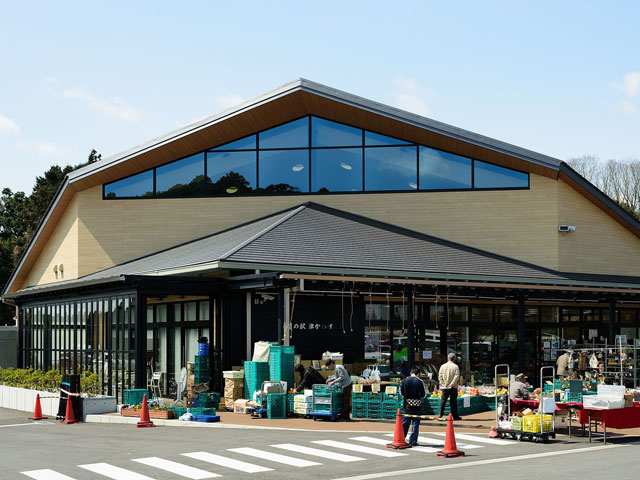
{"points": [[298, 167], [232, 189], [346, 166]]}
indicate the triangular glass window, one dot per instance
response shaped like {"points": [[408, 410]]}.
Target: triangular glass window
{"points": [[373, 139], [290, 135], [487, 175], [246, 143], [325, 133]]}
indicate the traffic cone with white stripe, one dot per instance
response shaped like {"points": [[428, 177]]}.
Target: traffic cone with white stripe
{"points": [[144, 415], [450, 449], [37, 411], [398, 435]]}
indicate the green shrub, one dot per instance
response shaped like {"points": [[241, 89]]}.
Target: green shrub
{"points": [[48, 381]]}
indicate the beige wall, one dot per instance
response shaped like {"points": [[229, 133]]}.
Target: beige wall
{"points": [[599, 244], [62, 248], [517, 223], [95, 234]]}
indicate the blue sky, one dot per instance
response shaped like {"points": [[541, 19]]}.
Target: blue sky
{"points": [[560, 78]]}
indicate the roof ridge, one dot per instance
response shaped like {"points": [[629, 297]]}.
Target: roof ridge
{"points": [[240, 246]]}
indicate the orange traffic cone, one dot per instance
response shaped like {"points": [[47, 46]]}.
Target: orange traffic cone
{"points": [[37, 412], [69, 416], [144, 416], [450, 449], [398, 435], [493, 433]]}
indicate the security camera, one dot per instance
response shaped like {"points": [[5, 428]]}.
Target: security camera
{"points": [[566, 228], [267, 297]]}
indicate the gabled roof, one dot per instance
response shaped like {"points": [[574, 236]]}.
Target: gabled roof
{"points": [[316, 239], [290, 101]]}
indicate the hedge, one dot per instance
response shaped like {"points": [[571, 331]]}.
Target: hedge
{"points": [[48, 381]]}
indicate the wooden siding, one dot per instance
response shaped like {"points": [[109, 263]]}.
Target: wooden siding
{"points": [[599, 244]]}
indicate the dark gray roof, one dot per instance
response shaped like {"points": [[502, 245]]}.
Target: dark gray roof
{"points": [[312, 238]]}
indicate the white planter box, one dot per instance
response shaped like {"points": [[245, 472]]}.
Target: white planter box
{"points": [[25, 400], [98, 405]]}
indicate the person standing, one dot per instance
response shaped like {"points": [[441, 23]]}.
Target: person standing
{"points": [[412, 390], [448, 377], [562, 364], [342, 380]]}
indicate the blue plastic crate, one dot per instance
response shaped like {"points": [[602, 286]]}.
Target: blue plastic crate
{"points": [[205, 418]]}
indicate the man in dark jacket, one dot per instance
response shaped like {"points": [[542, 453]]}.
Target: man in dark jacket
{"points": [[412, 389], [309, 377]]}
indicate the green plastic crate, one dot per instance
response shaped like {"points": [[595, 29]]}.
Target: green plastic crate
{"points": [[277, 405], [134, 396], [359, 411], [202, 411], [178, 411], [209, 397]]}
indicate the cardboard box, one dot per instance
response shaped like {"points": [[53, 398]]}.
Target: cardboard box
{"points": [[233, 392], [228, 403], [628, 400], [233, 382], [240, 406]]}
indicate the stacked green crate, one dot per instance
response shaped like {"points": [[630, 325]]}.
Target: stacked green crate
{"points": [[358, 405], [178, 411], [134, 396], [209, 399], [281, 364], [374, 405], [201, 369], [202, 411], [390, 405], [477, 404], [290, 402], [254, 374], [327, 399], [277, 405]]}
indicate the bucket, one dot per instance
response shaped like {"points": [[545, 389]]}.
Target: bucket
{"points": [[203, 349]]}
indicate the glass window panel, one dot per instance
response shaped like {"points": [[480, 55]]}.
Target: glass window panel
{"points": [[246, 143], [150, 314], [161, 313], [325, 133], [442, 170], [390, 168], [190, 311], [140, 185], [182, 178], [231, 172], [191, 344], [506, 314], [482, 314], [290, 135], [371, 138], [487, 175], [284, 171], [204, 311], [336, 170]]}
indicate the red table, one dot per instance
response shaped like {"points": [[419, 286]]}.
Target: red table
{"points": [[522, 404], [618, 418]]}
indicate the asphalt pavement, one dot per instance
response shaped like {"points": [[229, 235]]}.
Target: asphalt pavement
{"points": [[51, 451]]}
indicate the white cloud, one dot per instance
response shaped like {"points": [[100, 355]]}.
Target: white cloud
{"points": [[115, 107], [8, 126], [410, 96], [229, 100], [52, 81], [45, 148], [630, 88]]}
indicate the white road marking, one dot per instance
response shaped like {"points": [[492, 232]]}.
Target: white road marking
{"points": [[227, 462], [517, 458], [175, 467], [114, 472], [46, 474], [440, 443], [359, 448], [316, 452], [274, 457], [24, 425], [382, 441], [494, 441]]}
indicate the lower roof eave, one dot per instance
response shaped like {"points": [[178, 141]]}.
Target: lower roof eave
{"points": [[387, 276]]}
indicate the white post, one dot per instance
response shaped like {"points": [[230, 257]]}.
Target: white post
{"points": [[287, 315]]}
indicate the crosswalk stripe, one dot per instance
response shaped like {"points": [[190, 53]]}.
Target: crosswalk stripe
{"points": [[440, 443], [358, 448], [114, 472], [479, 439], [382, 441], [46, 474], [316, 452], [274, 457], [177, 468], [227, 462]]}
